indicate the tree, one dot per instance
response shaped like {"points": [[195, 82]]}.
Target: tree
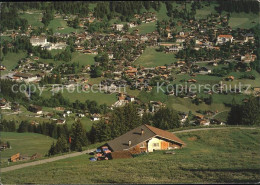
{"points": [[251, 112], [126, 28], [78, 136], [166, 118], [62, 145]]}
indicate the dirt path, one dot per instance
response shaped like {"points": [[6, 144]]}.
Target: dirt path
{"points": [[19, 166]]}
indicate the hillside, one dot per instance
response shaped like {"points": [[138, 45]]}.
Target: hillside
{"points": [[25, 144], [207, 159]]}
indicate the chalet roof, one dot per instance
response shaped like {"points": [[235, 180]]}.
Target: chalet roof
{"points": [[121, 143], [225, 36]]}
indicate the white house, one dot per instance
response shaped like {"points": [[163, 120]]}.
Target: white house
{"points": [[119, 27], [221, 39], [39, 41]]}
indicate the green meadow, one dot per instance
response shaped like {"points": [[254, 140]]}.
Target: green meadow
{"points": [[207, 158], [152, 58], [25, 144], [11, 60]]}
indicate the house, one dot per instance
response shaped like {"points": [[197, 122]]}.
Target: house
{"points": [[35, 109], [247, 58], [60, 121], [221, 39], [204, 70], [24, 77], [130, 98], [95, 117], [204, 122], [119, 27], [145, 138]]}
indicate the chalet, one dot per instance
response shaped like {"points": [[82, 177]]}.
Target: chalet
{"points": [[204, 70], [249, 37], [145, 138], [2, 68], [95, 117], [247, 58], [60, 121], [35, 109], [24, 77], [221, 39], [130, 98], [192, 81], [204, 122]]}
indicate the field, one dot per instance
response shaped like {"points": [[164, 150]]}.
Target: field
{"points": [[83, 59], [100, 97], [152, 58], [207, 159], [185, 105], [11, 60], [243, 20], [59, 22], [33, 18], [145, 28], [223, 116], [25, 144]]}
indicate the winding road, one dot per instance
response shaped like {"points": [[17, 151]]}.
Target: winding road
{"points": [[19, 166]]}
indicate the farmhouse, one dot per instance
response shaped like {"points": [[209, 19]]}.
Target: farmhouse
{"points": [[145, 138]]}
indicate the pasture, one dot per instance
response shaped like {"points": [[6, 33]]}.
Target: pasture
{"points": [[152, 58], [207, 159], [25, 144]]}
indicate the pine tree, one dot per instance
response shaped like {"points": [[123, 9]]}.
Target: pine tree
{"points": [[78, 136], [251, 112]]}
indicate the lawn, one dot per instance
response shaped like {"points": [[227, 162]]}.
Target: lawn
{"points": [[25, 144], [208, 158], [83, 59], [186, 105], [243, 20], [152, 58], [33, 18], [145, 28], [11, 60], [99, 97], [59, 22]]}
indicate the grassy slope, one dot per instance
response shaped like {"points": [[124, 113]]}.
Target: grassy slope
{"points": [[34, 19], [152, 58], [11, 60], [25, 143], [101, 98], [207, 159], [243, 20]]}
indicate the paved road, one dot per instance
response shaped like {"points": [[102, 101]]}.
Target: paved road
{"points": [[198, 129], [19, 166]]}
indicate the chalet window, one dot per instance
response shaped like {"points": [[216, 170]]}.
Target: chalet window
{"points": [[155, 144]]}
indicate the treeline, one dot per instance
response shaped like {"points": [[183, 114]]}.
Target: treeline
{"points": [[81, 8], [10, 18], [7, 126], [125, 9], [51, 79], [245, 114], [126, 118], [238, 6]]}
